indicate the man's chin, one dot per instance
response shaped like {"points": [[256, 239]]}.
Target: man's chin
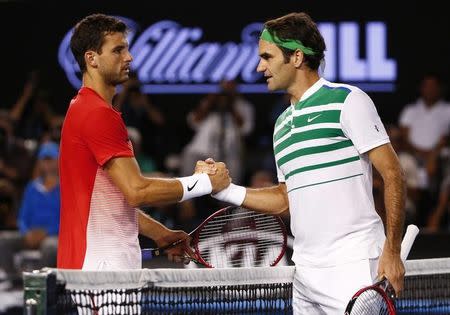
{"points": [[122, 79]]}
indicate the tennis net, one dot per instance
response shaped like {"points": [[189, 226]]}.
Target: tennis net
{"points": [[262, 290]]}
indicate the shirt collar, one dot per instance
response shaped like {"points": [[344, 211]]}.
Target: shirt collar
{"points": [[313, 89]]}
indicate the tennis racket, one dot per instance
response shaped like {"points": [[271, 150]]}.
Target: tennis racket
{"points": [[235, 237], [379, 297]]}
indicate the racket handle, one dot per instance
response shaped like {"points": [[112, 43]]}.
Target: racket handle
{"points": [[147, 253], [408, 240], [163, 248]]}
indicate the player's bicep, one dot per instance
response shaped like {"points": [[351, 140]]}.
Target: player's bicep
{"points": [[125, 173], [385, 160], [106, 136], [361, 123]]}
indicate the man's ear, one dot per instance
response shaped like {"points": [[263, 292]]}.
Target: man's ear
{"points": [[298, 58], [91, 59]]}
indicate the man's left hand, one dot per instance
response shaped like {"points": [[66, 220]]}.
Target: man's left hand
{"points": [[179, 252], [391, 267]]}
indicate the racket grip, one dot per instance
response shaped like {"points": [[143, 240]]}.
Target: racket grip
{"points": [[408, 240], [163, 248], [147, 254]]}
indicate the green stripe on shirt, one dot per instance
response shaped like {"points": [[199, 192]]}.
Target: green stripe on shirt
{"points": [[309, 135], [323, 165], [314, 150]]}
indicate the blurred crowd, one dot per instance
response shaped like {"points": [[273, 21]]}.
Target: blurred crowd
{"points": [[222, 125]]}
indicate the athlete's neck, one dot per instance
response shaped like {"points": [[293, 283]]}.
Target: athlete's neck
{"points": [[106, 91], [303, 82]]}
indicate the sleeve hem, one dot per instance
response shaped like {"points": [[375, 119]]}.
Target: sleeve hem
{"points": [[373, 145], [116, 155]]}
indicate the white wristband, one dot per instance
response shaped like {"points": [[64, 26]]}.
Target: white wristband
{"points": [[233, 194], [195, 186]]}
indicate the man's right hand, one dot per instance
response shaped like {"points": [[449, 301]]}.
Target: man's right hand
{"points": [[221, 179], [205, 167], [217, 172]]}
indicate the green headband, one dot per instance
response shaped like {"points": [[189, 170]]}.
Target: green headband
{"points": [[292, 44]]}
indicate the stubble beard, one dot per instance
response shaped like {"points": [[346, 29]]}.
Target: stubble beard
{"points": [[116, 79]]}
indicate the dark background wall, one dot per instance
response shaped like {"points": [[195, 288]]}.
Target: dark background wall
{"points": [[418, 38]]}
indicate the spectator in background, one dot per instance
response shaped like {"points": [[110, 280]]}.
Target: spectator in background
{"points": [[245, 108], [439, 163], [146, 163], [139, 112], [425, 125], [439, 218], [135, 106], [6, 139], [39, 211], [426, 121], [221, 121], [8, 201], [15, 157], [32, 113]]}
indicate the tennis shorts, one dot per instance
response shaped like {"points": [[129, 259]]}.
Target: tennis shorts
{"points": [[327, 291]]}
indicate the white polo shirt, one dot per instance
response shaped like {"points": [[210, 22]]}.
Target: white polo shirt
{"points": [[426, 124], [320, 147]]}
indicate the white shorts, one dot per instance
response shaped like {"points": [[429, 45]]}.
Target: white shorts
{"points": [[326, 291]]}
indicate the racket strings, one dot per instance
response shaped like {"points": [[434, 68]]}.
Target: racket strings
{"points": [[257, 230], [241, 213], [242, 238], [370, 302], [218, 230], [270, 233], [249, 261], [264, 245], [220, 221]]}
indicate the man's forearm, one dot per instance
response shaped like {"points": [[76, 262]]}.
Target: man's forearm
{"points": [[394, 198], [149, 227], [272, 200]]}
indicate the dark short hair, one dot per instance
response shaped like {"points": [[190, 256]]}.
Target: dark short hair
{"points": [[299, 26], [89, 34]]}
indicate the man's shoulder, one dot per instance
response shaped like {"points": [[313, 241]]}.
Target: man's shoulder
{"points": [[349, 93], [334, 91], [341, 86], [87, 100], [85, 106]]}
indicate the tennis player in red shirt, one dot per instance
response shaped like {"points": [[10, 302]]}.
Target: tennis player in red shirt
{"points": [[101, 184]]}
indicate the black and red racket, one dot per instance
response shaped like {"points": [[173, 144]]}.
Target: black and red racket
{"points": [[235, 237], [379, 298]]}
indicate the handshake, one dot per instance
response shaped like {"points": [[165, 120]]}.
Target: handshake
{"points": [[212, 177], [217, 172]]}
